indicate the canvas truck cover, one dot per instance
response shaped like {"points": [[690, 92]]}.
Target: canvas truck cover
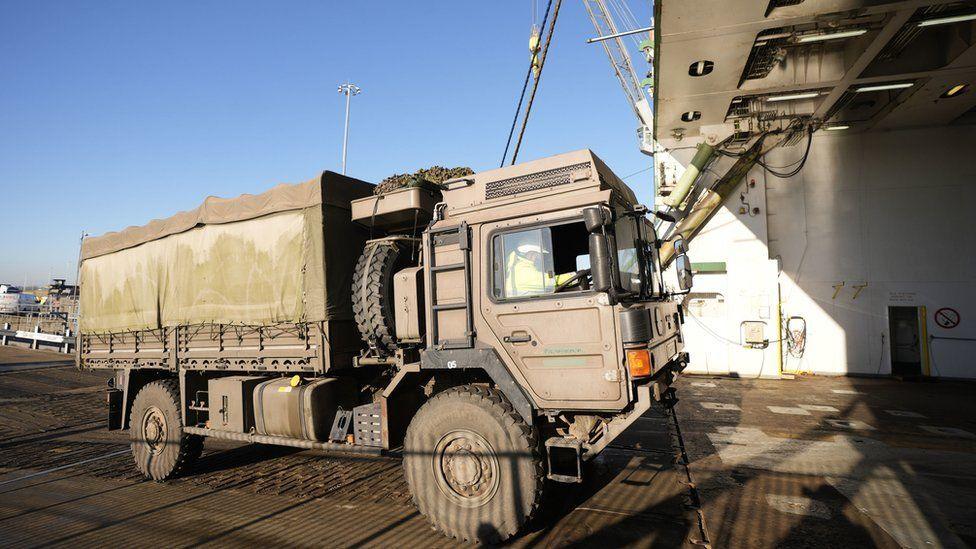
{"points": [[285, 255]]}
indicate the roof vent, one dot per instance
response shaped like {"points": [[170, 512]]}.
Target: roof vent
{"points": [[536, 181]]}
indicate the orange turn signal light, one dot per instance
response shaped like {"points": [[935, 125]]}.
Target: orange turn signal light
{"points": [[639, 362]]}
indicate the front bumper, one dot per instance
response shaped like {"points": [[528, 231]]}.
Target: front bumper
{"points": [[654, 390]]}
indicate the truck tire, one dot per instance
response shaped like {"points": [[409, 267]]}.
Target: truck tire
{"points": [[473, 466], [372, 293], [159, 446]]}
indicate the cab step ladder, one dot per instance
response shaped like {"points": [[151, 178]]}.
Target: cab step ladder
{"points": [[461, 236]]}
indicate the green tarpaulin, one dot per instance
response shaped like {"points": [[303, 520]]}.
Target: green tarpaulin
{"points": [[286, 255]]}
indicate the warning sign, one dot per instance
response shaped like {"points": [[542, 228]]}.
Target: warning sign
{"points": [[947, 317]]}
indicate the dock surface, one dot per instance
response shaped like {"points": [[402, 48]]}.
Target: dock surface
{"points": [[802, 463]]}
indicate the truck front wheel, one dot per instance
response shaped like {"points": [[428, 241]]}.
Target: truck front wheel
{"points": [[473, 466], [159, 446]]}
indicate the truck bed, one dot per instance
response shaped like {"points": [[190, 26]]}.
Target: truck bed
{"points": [[310, 347]]}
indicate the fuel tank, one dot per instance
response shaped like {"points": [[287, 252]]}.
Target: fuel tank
{"points": [[304, 411]]}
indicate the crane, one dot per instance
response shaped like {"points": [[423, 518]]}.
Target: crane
{"points": [[666, 168], [611, 39]]}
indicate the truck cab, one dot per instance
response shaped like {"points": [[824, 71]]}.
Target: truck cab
{"points": [[545, 275]]}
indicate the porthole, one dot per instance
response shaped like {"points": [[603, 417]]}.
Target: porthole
{"points": [[701, 68]]}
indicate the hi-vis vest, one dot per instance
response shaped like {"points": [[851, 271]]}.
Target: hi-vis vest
{"points": [[523, 278]]}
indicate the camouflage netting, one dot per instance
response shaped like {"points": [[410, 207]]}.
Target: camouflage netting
{"points": [[434, 174]]}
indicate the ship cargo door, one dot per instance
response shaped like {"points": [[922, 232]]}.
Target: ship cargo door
{"points": [[906, 356]]}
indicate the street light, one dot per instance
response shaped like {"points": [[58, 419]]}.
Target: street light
{"points": [[349, 89]]}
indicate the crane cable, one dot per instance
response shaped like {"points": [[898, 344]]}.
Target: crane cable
{"points": [[535, 82], [525, 86]]}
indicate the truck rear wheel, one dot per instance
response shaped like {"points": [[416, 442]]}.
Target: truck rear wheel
{"points": [[159, 446], [473, 466], [372, 292]]}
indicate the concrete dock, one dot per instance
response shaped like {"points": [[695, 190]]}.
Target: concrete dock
{"points": [[802, 463], [18, 358]]}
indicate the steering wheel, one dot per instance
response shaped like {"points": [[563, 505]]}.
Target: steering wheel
{"points": [[578, 278]]}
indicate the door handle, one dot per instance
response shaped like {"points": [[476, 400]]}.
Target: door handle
{"points": [[517, 337]]}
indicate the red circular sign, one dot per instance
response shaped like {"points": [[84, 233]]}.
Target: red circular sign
{"points": [[947, 318]]}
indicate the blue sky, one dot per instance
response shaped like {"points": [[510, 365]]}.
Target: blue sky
{"points": [[115, 113]]}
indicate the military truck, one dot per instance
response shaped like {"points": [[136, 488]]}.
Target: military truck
{"points": [[498, 330]]}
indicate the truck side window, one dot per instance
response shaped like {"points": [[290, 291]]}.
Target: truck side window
{"points": [[533, 262]]}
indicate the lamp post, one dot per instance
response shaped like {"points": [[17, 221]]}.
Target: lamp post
{"points": [[349, 89]]}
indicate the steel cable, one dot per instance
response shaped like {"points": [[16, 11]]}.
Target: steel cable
{"points": [[535, 82], [525, 86]]}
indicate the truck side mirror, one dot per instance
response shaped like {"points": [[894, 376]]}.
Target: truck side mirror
{"points": [[595, 218], [663, 216], [682, 267], [600, 269]]}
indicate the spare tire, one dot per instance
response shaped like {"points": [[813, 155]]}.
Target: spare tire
{"points": [[372, 292]]}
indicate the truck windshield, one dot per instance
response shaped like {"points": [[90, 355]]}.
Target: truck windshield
{"points": [[649, 238], [636, 259], [629, 254]]}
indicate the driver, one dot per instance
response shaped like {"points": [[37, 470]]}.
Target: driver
{"points": [[526, 274]]}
